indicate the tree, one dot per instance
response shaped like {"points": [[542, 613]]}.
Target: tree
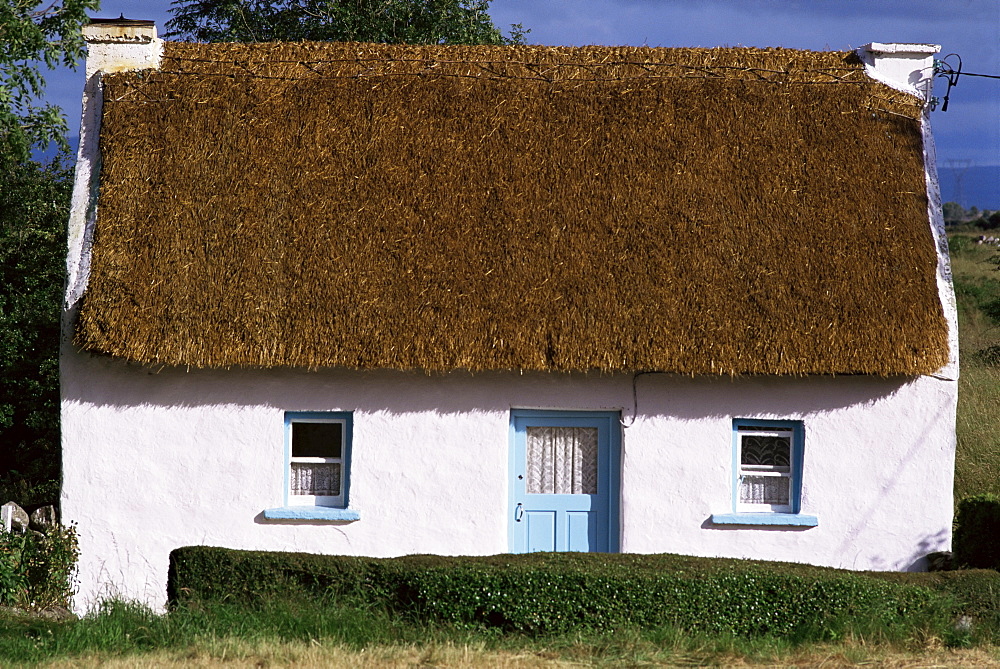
{"points": [[32, 34], [992, 222], [34, 207], [399, 21], [953, 212]]}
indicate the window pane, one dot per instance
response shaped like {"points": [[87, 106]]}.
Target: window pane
{"points": [[561, 460], [765, 450], [764, 489], [317, 440], [316, 479]]}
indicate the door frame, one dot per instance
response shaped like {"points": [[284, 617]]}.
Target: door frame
{"points": [[611, 459]]}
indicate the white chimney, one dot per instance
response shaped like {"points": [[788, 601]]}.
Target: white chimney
{"points": [[910, 68], [905, 67], [113, 45], [119, 45]]}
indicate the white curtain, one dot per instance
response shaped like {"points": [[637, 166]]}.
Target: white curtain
{"points": [[316, 479], [562, 460], [764, 489]]}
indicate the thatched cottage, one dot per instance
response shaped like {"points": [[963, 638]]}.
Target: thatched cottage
{"points": [[378, 300]]}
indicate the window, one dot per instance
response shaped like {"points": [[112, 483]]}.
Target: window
{"points": [[765, 457], [767, 474], [317, 470], [316, 461]]}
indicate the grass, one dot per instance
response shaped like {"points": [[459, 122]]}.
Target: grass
{"points": [[236, 653], [977, 288], [128, 635]]}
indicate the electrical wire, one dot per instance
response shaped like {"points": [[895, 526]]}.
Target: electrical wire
{"points": [[988, 76], [944, 69], [635, 398]]}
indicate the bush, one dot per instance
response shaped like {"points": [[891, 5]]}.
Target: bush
{"points": [[37, 570], [989, 356], [977, 526], [960, 243], [988, 223], [555, 593]]}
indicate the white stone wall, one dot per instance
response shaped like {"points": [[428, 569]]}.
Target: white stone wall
{"points": [[154, 460]]}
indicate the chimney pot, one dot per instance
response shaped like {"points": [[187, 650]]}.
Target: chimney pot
{"points": [[904, 66], [120, 45]]}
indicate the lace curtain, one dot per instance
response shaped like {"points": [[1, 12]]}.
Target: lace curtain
{"points": [[562, 460], [764, 489], [765, 453], [310, 478]]}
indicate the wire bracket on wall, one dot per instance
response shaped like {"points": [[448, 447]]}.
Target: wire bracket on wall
{"points": [[944, 69]]}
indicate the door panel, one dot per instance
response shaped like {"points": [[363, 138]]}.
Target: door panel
{"points": [[582, 533], [541, 529], [564, 481]]}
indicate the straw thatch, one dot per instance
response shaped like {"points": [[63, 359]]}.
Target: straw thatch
{"points": [[425, 207]]}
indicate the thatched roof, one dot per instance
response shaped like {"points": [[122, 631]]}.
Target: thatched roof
{"points": [[489, 208]]}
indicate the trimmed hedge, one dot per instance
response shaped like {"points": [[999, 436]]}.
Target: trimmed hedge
{"points": [[554, 593], [977, 532]]}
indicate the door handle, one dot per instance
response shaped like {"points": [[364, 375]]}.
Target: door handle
{"points": [[518, 513]]}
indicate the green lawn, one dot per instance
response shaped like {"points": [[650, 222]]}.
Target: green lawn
{"points": [[977, 287]]}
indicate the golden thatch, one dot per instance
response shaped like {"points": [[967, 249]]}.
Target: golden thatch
{"points": [[732, 211]]}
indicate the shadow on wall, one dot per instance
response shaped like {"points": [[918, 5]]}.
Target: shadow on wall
{"points": [[890, 480], [931, 543], [108, 382]]}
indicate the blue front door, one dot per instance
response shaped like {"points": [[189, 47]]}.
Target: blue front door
{"points": [[564, 481]]}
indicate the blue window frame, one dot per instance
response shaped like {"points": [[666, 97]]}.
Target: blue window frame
{"points": [[766, 479], [317, 468]]}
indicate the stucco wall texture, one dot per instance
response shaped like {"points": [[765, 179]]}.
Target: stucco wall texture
{"points": [[202, 456]]}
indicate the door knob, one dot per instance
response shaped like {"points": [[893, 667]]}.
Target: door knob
{"points": [[518, 513]]}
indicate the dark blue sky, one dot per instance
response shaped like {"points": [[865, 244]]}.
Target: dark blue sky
{"points": [[968, 131]]}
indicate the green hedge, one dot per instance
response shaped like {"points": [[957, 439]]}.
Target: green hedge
{"points": [[977, 533], [555, 593]]}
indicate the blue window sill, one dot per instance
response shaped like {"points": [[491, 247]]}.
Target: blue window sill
{"points": [[311, 513], [786, 519]]}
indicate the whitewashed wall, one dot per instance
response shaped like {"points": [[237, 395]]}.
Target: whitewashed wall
{"points": [[157, 460]]}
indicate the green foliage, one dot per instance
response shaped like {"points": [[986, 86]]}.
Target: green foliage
{"points": [[977, 287], [981, 293], [13, 579], [989, 356], [953, 213], [37, 570], [34, 207], [991, 222], [977, 526], [121, 628], [973, 593], [976, 280], [387, 21], [33, 33], [211, 626], [544, 594]]}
